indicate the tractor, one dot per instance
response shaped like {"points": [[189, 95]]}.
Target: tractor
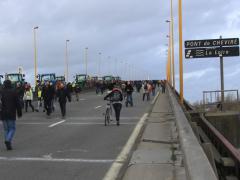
{"points": [[42, 78], [15, 78], [81, 80], [60, 79]]}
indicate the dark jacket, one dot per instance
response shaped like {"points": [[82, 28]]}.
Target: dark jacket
{"points": [[10, 102], [63, 95], [20, 92], [129, 89], [48, 93]]}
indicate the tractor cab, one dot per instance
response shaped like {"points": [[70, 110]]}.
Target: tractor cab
{"points": [[47, 77], [60, 79], [81, 80], [15, 78], [108, 79]]}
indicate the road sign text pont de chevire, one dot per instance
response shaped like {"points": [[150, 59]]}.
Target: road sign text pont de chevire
{"points": [[212, 43]]}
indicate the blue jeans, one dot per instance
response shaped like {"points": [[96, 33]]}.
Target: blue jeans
{"points": [[153, 92], [9, 129], [129, 100]]}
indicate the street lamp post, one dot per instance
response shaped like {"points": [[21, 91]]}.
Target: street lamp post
{"points": [[170, 52], [35, 54], [99, 64], [66, 60], [172, 38], [115, 67], [167, 65], [86, 60], [180, 50], [109, 65]]}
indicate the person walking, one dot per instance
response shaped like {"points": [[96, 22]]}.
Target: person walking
{"points": [[138, 86], [102, 87], [150, 88], [20, 93], [153, 89], [28, 96], [145, 91], [77, 90], [63, 94], [48, 97], [129, 91], [116, 97], [163, 86], [11, 107], [39, 98], [98, 87]]}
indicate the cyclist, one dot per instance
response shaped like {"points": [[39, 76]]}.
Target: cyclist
{"points": [[116, 97]]}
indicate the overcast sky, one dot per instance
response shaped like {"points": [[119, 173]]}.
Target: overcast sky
{"points": [[130, 34]]}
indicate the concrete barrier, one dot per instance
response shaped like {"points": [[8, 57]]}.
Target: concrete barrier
{"points": [[196, 162]]}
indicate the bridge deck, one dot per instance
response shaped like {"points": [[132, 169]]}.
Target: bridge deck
{"points": [[168, 148], [158, 155]]}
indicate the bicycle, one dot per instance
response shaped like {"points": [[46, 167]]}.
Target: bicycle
{"points": [[108, 113]]}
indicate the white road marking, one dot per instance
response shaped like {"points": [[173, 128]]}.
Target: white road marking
{"points": [[122, 158], [55, 124], [49, 159], [82, 99], [33, 123], [96, 123], [98, 107], [76, 123], [100, 117]]}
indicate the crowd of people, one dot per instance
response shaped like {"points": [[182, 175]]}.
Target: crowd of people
{"points": [[119, 92], [16, 99]]}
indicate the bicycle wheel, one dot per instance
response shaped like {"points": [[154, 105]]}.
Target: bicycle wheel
{"points": [[107, 117]]}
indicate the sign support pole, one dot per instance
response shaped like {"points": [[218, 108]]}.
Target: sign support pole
{"points": [[222, 77]]}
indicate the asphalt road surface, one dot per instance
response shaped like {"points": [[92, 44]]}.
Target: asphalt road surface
{"points": [[78, 147]]}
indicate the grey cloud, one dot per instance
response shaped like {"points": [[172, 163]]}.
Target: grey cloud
{"points": [[132, 32]]}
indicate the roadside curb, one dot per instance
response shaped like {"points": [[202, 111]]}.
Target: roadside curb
{"points": [[155, 98], [120, 165]]}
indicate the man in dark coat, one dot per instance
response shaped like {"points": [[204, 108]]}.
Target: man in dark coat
{"points": [[48, 97], [63, 94], [20, 93], [10, 105], [129, 90]]}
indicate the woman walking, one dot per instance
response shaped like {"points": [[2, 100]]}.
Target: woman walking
{"points": [[28, 96]]}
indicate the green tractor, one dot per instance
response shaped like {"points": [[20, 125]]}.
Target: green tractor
{"points": [[42, 78], [60, 79], [15, 78], [108, 79], [81, 80]]}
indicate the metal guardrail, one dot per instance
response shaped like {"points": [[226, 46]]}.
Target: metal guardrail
{"points": [[224, 147], [221, 144], [218, 97]]}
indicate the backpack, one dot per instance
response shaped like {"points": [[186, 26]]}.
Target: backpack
{"points": [[116, 96]]}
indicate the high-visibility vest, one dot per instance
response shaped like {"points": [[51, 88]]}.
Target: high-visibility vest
{"points": [[39, 93]]}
